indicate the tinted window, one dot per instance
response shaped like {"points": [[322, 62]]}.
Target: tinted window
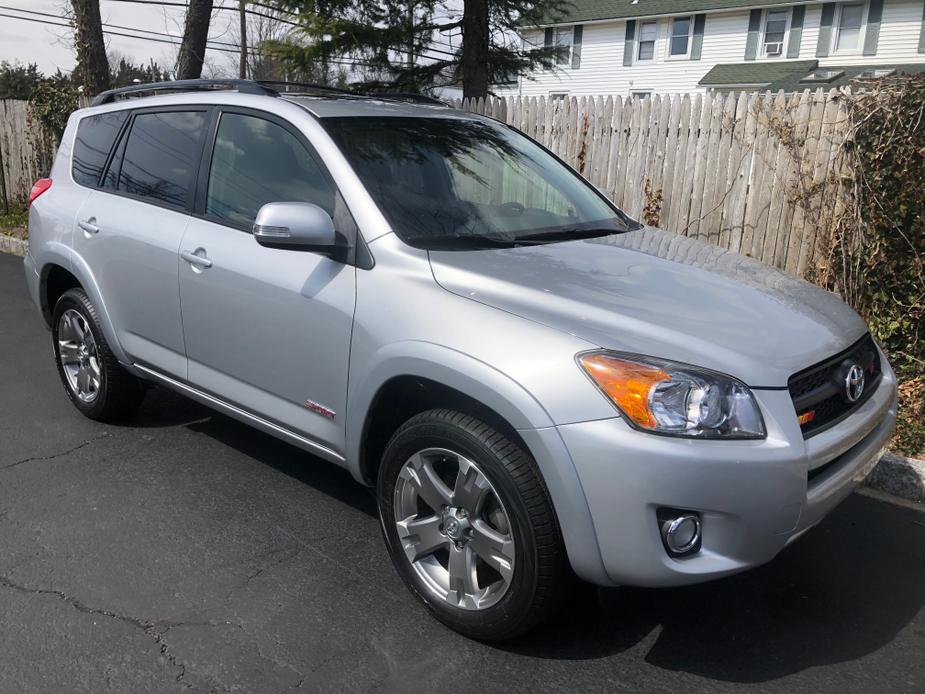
{"points": [[95, 136], [111, 179], [255, 162], [447, 182], [162, 155]]}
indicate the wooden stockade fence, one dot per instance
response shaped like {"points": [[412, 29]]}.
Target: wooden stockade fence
{"points": [[25, 153], [756, 173]]}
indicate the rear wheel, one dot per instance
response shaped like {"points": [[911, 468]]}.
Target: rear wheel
{"points": [[469, 525], [93, 378]]}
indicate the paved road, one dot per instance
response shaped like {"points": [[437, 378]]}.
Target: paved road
{"points": [[182, 550]]}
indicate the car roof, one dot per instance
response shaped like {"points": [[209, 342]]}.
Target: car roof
{"points": [[333, 105], [341, 106]]}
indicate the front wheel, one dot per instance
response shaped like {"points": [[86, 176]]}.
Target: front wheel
{"points": [[469, 525]]}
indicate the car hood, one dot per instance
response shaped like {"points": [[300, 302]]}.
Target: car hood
{"points": [[656, 293]]}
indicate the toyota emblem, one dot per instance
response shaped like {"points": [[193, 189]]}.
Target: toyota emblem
{"points": [[854, 383]]}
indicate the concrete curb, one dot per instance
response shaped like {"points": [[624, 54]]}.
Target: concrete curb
{"points": [[899, 476], [894, 474], [14, 246]]}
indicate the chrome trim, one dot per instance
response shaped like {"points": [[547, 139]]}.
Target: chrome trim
{"points": [[673, 528], [239, 413]]}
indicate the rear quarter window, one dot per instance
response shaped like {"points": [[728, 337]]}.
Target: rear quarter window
{"points": [[92, 144]]}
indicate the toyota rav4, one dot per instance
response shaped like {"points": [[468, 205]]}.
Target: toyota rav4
{"points": [[536, 385]]}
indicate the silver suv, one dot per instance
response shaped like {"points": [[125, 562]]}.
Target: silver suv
{"points": [[537, 386]]}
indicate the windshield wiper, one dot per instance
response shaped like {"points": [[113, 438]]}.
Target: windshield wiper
{"points": [[570, 234], [464, 241]]}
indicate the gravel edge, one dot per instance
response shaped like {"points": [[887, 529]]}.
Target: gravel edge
{"points": [[14, 246]]}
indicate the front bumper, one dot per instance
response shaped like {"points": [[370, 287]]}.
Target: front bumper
{"points": [[754, 497]]}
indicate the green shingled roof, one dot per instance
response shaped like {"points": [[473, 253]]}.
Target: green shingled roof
{"points": [[789, 75], [756, 73], [589, 10]]}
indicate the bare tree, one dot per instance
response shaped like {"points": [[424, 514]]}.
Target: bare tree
{"points": [[268, 25], [195, 35], [92, 65]]}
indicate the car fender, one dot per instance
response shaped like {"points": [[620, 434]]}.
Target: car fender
{"points": [[59, 254], [510, 400]]}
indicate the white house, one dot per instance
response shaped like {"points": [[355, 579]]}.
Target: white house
{"points": [[638, 47]]}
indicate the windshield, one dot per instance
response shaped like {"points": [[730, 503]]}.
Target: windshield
{"points": [[458, 183]]}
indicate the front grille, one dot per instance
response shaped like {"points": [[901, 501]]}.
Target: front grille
{"points": [[819, 392]]}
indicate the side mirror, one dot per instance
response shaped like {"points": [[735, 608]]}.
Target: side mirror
{"points": [[299, 226]]}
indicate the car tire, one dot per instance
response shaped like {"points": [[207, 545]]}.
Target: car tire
{"points": [[93, 378], [478, 584]]}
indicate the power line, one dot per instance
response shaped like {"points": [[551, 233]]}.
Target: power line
{"points": [[169, 3], [116, 26], [351, 63], [174, 40]]}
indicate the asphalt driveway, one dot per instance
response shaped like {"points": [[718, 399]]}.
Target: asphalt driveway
{"points": [[184, 551]]}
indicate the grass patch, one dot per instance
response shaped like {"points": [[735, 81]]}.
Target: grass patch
{"points": [[14, 222]]}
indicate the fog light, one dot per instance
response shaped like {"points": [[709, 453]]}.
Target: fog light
{"points": [[680, 531]]}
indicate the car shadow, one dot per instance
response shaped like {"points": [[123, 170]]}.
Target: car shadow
{"points": [[843, 591], [163, 408]]}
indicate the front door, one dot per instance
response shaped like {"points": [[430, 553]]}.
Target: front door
{"points": [[266, 329]]}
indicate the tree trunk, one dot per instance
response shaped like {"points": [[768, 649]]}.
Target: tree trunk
{"points": [[92, 64], [242, 63], [474, 62], [195, 33]]}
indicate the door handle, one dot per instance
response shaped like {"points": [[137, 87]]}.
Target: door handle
{"points": [[89, 226], [193, 258]]}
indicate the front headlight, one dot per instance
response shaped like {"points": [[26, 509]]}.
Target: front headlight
{"points": [[676, 399]]}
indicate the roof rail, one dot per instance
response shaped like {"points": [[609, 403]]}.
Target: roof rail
{"points": [[243, 86], [308, 86], [411, 97], [262, 87]]}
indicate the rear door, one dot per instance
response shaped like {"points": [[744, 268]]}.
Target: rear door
{"points": [[130, 227], [267, 329]]}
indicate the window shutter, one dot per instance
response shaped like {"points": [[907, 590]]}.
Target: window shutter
{"points": [[796, 31], [872, 35], [754, 35], [576, 46], [922, 33], [825, 30], [629, 42], [697, 41], [548, 38]]}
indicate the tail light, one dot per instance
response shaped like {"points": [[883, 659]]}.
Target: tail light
{"points": [[39, 187]]}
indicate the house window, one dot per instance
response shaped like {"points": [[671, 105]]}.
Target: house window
{"points": [[775, 29], [850, 19], [680, 36], [646, 50], [641, 95], [564, 45]]}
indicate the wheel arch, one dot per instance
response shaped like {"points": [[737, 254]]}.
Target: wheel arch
{"points": [[501, 400], [422, 375], [60, 273]]}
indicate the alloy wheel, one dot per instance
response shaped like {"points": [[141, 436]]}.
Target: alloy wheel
{"points": [[79, 355], [454, 529]]}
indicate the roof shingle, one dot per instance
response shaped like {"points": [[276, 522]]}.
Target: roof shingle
{"points": [[590, 10]]}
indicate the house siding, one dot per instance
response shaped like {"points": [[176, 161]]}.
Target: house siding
{"points": [[602, 70]]}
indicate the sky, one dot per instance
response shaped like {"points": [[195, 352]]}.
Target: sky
{"points": [[50, 46]]}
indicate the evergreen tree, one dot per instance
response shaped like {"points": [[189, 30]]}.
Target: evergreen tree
{"points": [[401, 45]]}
